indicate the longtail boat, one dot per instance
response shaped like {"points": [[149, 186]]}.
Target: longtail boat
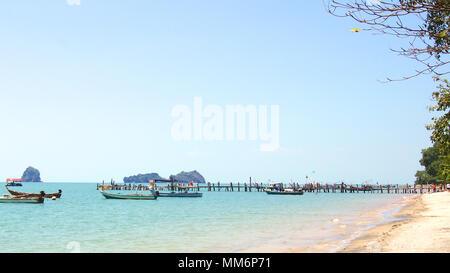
{"points": [[21, 199], [14, 182], [46, 195], [133, 196]]}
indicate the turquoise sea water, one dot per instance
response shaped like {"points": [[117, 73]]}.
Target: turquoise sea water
{"points": [[83, 220]]}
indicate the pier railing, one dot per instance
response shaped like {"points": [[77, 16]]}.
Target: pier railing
{"points": [[259, 187]]}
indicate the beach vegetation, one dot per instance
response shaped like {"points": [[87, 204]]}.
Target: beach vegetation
{"points": [[435, 166], [441, 124], [441, 127]]}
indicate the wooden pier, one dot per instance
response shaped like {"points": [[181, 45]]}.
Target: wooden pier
{"points": [[260, 187]]}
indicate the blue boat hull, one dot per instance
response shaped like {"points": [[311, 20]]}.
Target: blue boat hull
{"points": [[180, 194], [136, 196]]}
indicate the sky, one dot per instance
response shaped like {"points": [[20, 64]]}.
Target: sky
{"points": [[87, 90]]}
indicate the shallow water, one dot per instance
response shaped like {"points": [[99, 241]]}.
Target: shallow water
{"points": [[82, 220]]}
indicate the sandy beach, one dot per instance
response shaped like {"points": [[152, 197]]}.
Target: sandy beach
{"points": [[423, 225]]}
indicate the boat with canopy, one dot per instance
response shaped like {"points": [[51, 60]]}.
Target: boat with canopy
{"points": [[14, 182], [177, 189], [278, 189]]}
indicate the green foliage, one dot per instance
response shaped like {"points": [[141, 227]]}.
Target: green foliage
{"points": [[434, 164], [445, 168], [438, 23], [441, 124], [31, 175], [422, 177]]}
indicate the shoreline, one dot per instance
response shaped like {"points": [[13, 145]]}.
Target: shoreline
{"points": [[422, 225], [334, 234]]}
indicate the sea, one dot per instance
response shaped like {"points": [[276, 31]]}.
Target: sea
{"points": [[82, 220]]}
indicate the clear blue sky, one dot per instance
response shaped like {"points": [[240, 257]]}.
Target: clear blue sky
{"points": [[86, 92]]}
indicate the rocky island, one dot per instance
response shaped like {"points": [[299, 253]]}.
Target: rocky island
{"points": [[192, 176], [31, 175], [141, 178]]}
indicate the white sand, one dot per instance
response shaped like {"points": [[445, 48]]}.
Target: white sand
{"points": [[426, 228]]}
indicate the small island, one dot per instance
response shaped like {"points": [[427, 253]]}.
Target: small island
{"points": [[192, 176], [31, 175], [141, 178]]}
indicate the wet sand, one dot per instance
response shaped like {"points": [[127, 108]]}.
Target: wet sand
{"points": [[423, 225]]}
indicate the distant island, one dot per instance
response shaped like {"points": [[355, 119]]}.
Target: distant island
{"points": [[31, 175], [142, 178], [192, 176]]}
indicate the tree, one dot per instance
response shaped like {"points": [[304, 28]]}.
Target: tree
{"points": [[441, 127], [441, 124], [445, 168], [425, 23], [433, 162]]}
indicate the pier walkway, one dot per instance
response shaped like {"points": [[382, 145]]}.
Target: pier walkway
{"points": [[259, 187]]}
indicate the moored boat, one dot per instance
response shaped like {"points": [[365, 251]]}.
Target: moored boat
{"points": [[177, 189], [133, 196], [285, 192], [179, 194], [46, 195], [14, 182], [278, 189], [21, 199]]}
